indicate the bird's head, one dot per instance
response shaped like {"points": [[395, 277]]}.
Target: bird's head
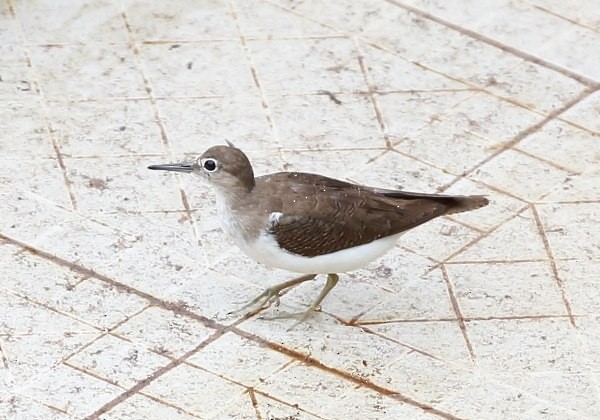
{"points": [[227, 168]]}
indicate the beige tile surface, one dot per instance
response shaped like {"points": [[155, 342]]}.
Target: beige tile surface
{"points": [[118, 285]]}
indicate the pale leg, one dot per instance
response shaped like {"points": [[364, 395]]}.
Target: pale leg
{"points": [[272, 293], [332, 280]]}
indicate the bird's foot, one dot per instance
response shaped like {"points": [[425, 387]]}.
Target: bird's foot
{"points": [[300, 317], [272, 294]]}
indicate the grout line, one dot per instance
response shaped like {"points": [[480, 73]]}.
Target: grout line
{"points": [[458, 313], [374, 102], [466, 319], [559, 282], [254, 73], [4, 358], [42, 100], [549, 162], [565, 18], [490, 41], [254, 401]]}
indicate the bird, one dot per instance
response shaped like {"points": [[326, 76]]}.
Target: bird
{"points": [[308, 223]]}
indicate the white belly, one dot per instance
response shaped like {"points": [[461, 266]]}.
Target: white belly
{"points": [[266, 251]]}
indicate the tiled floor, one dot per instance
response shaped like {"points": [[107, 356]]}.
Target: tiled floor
{"points": [[116, 282]]}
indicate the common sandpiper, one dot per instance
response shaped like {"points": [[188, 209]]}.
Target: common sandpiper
{"points": [[308, 223]]}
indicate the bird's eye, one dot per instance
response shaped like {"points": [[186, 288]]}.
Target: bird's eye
{"points": [[210, 165]]}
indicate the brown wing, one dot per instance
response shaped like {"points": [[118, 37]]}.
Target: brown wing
{"points": [[323, 215], [343, 223]]}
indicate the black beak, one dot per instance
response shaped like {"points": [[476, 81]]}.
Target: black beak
{"points": [[186, 167]]}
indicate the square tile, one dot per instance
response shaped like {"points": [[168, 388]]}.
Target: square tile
{"points": [[87, 71], [301, 384], [526, 346], [268, 21], [469, 60], [144, 407], [197, 69], [307, 66], [117, 361], [456, 152], [449, 345], [585, 112], [575, 149], [164, 332], [488, 117], [524, 176], [506, 289], [42, 178], [392, 72], [563, 227], [9, 33], [105, 128], [535, 86], [516, 239], [439, 238], [72, 392], [23, 130], [580, 281], [316, 122], [16, 78], [239, 360], [49, 22], [194, 390], [194, 125], [179, 21], [21, 407], [405, 113]]}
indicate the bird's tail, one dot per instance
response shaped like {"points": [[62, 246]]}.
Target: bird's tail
{"points": [[461, 203]]}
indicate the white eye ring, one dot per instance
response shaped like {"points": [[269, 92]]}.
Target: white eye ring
{"points": [[209, 164]]}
